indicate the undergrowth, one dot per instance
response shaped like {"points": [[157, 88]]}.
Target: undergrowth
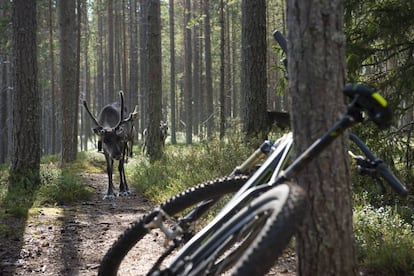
{"points": [[183, 166], [384, 241], [57, 186]]}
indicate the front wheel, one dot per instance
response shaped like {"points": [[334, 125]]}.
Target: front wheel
{"points": [[252, 240], [169, 215]]}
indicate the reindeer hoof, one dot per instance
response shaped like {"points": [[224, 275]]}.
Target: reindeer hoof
{"points": [[109, 197], [126, 193]]}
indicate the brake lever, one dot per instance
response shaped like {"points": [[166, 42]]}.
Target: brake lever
{"points": [[368, 167]]}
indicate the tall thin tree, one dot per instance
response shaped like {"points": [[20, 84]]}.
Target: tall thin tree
{"points": [[68, 79], [5, 82], [102, 91], [25, 162], [133, 55], [253, 75], [196, 80], [222, 77], [209, 78], [110, 53], [188, 95], [172, 73], [155, 79], [144, 60], [53, 89]]}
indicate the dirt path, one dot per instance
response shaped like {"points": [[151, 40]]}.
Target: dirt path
{"points": [[71, 240]]}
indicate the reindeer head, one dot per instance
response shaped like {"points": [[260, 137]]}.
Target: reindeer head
{"points": [[112, 128]]}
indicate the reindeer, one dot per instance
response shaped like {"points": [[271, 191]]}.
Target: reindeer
{"points": [[132, 134], [163, 135], [114, 130]]}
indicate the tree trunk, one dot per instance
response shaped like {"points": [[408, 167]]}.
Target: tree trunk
{"points": [[133, 53], [316, 77], [3, 108], [188, 95], [209, 81], [155, 80], [78, 25], [124, 85], [101, 95], [52, 81], [86, 133], [196, 72], [222, 92], [144, 59], [117, 43], [110, 53], [25, 163], [253, 76], [235, 75], [69, 81], [172, 74], [227, 65]]}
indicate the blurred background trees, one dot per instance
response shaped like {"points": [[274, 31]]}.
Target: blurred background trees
{"points": [[203, 88]]}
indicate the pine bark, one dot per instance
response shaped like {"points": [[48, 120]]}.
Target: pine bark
{"points": [[253, 74], [188, 95], [68, 80], [209, 78], [172, 73], [155, 80], [25, 162], [316, 76]]}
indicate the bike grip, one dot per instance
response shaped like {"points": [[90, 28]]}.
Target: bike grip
{"points": [[280, 39], [391, 179]]}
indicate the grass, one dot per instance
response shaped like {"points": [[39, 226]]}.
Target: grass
{"points": [[57, 186], [182, 166]]}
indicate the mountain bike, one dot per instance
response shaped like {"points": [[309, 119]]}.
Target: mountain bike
{"points": [[257, 222], [264, 212]]}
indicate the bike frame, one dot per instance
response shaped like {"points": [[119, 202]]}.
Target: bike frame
{"points": [[250, 190], [198, 244]]}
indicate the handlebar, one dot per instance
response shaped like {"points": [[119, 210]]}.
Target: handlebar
{"points": [[377, 110], [380, 167], [280, 39]]}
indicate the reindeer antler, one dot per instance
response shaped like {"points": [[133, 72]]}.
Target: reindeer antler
{"points": [[132, 115], [90, 114], [121, 117]]}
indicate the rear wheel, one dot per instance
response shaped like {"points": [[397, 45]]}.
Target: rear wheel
{"points": [[165, 217]]}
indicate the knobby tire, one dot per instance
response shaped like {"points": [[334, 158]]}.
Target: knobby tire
{"points": [[251, 242], [189, 198]]}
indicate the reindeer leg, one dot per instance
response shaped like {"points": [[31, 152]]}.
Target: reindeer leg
{"points": [[109, 169], [131, 147], [123, 185]]}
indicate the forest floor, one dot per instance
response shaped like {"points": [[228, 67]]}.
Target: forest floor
{"points": [[71, 240]]}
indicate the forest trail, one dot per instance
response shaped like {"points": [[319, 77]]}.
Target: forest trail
{"points": [[71, 240]]}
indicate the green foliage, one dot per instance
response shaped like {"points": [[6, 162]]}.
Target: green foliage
{"points": [[380, 53], [13, 201], [390, 147], [60, 187], [184, 166], [385, 242], [57, 186]]}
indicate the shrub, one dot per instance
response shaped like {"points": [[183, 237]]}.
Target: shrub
{"points": [[185, 166], [385, 242], [61, 186]]}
